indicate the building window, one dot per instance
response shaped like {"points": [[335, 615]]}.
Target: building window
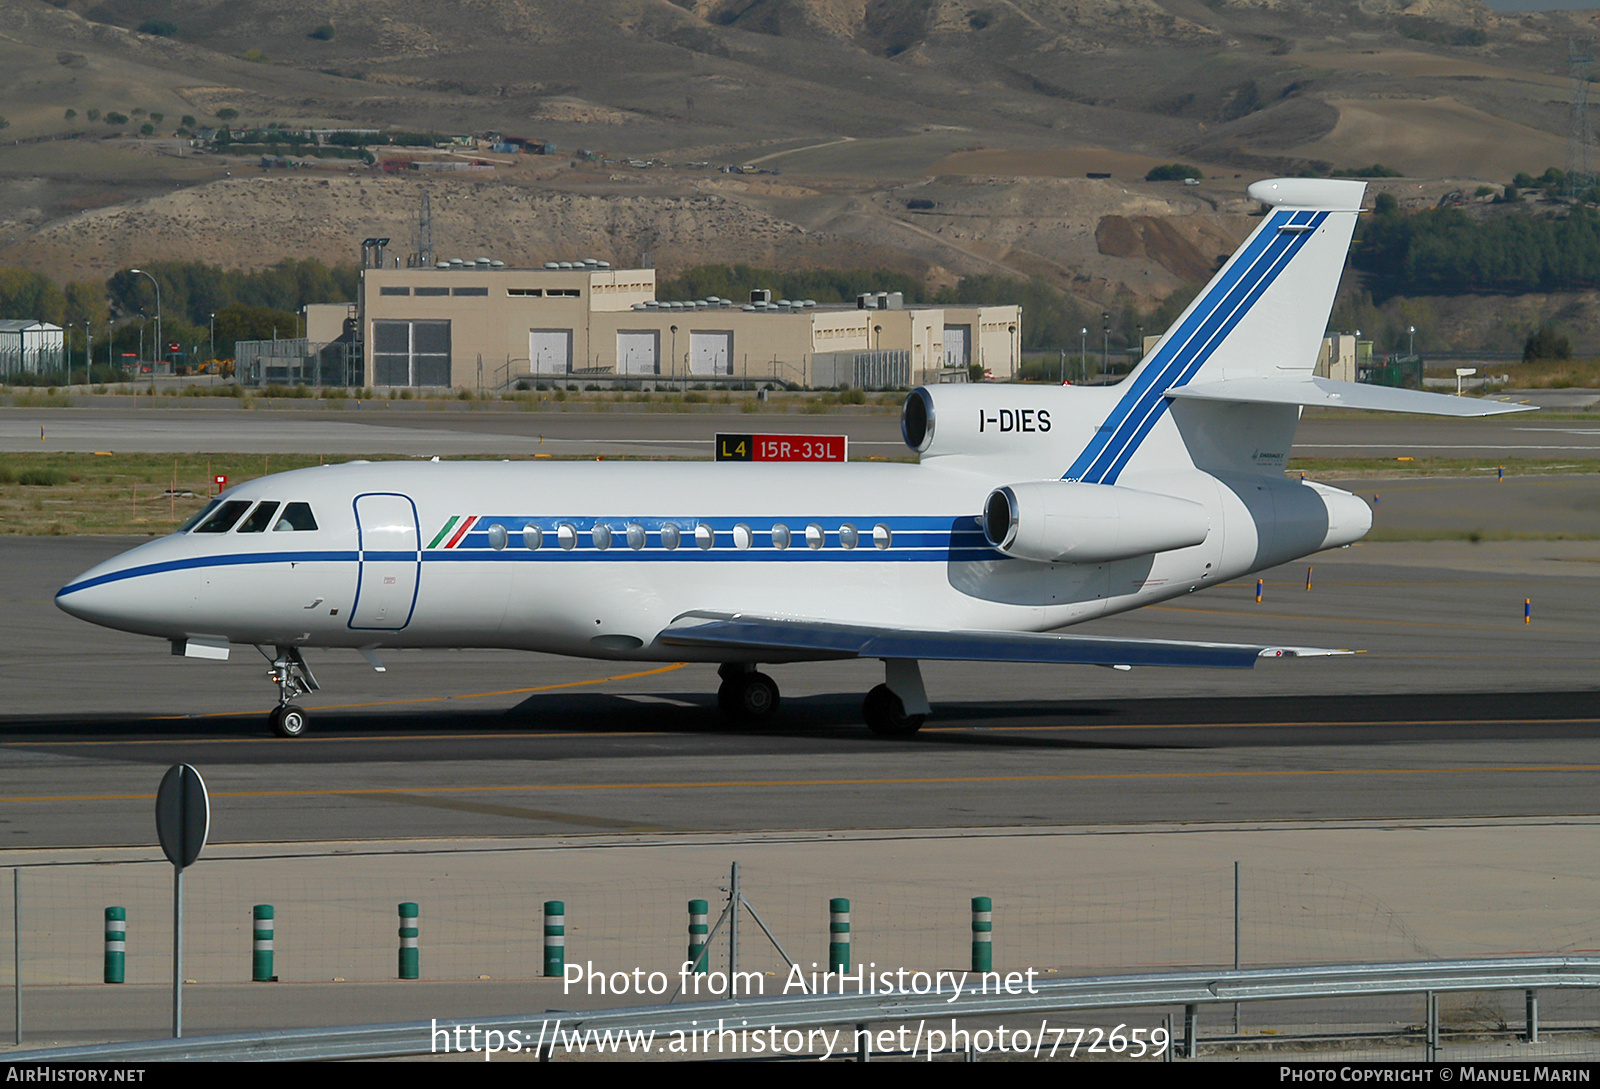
{"points": [[433, 291], [394, 291], [525, 292], [411, 353], [469, 291]]}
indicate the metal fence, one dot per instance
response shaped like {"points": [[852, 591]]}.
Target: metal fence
{"points": [[19, 361], [862, 370], [297, 362], [1151, 1017]]}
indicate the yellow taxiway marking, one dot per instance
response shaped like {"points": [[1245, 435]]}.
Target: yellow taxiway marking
{"points": [[741, 784]]}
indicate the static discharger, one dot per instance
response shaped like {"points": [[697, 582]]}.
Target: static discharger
{"points": [[1261, 584]]}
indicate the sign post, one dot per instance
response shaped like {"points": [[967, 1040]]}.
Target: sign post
{"points": [[782, 448], [183, 819]]}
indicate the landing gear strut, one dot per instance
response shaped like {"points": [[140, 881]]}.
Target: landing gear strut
{"points": [[746, 695], [293, 678]]}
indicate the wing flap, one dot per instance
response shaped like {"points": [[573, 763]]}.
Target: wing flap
{"points": [[1327, 393], [821, 639]]}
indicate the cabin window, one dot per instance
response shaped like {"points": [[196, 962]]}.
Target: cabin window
{"points": [[296, 516], [635, 536], [704, 535], [882, 537], [224, 518], [780, 536], [601, 535], [532, 536], [259, 519], [671, 535], [567, 535], [498, 537], [849, 537], [816, 536], [742, 537]]}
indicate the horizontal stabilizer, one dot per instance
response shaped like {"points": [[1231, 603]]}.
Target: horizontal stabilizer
{"points": [[820, 640], [1327, 393]]}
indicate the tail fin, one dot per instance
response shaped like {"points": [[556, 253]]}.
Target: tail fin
{"points": [[1262, 316]]}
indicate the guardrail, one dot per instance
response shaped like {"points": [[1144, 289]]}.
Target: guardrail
{"points": [[549, 1031]]}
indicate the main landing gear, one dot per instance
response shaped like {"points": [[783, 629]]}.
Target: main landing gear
{"points": [[896, 708], [293, 678], [746, 696]]}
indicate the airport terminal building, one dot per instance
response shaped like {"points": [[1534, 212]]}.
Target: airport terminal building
{"points": [[479, 325]]}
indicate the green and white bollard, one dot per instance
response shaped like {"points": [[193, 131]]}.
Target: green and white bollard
{"points": [[261, 945], [408, 941], [982, 933], [116, 943], [555, 939], [698, 910], [839, 935]]}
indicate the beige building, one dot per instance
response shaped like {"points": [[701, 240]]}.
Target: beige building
{"points": [[479, 326]]}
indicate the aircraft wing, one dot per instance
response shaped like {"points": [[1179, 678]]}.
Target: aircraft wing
{"points": [[818, 639], [1327, 393]]}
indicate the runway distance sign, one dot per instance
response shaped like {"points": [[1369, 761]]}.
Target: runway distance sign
{"points": [[783, 448]]}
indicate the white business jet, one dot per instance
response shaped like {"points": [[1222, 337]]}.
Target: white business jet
{"points": [[1032, 508]]}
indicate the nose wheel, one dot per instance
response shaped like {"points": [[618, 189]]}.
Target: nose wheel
{"points": [[293, 678], [287, 721]]}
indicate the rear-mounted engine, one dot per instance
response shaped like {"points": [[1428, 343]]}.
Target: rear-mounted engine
{"points": [[1056, 521]]}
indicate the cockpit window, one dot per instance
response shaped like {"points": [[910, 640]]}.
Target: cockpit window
{"points": [[227, 514], [195, 519], [296, 516], [259, 519]]}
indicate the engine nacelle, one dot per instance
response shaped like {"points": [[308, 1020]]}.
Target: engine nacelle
{"points": [[1001, 419], [1057, 521]]}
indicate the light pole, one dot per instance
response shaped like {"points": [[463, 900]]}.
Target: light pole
{"points": [[1412, 331], [66, 351], [152, 279], [1083, 352], [213, 345], [1105, 346]]}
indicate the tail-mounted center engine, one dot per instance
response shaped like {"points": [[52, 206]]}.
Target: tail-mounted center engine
{"points": [[1057, 521]]}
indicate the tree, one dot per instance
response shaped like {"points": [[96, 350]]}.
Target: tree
{"points": [[1546, 343]]}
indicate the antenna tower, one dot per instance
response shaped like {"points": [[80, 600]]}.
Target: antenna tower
{"points": [[1580, 167], [424, 255]]}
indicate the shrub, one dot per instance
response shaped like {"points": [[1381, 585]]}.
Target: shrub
{"points": [[1173, 172]]}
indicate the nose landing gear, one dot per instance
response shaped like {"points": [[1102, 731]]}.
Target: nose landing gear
{"points": [[293, 678]]}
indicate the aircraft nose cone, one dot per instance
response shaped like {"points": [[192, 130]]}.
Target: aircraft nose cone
{"points": [[89, 598], [129, 594]]}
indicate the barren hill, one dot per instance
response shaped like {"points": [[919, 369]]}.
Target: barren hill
{"points": [[932, 136]]}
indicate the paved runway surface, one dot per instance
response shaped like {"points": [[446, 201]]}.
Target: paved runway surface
{"points": [[1432, 796], [219, 425], [1455, 708]]}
